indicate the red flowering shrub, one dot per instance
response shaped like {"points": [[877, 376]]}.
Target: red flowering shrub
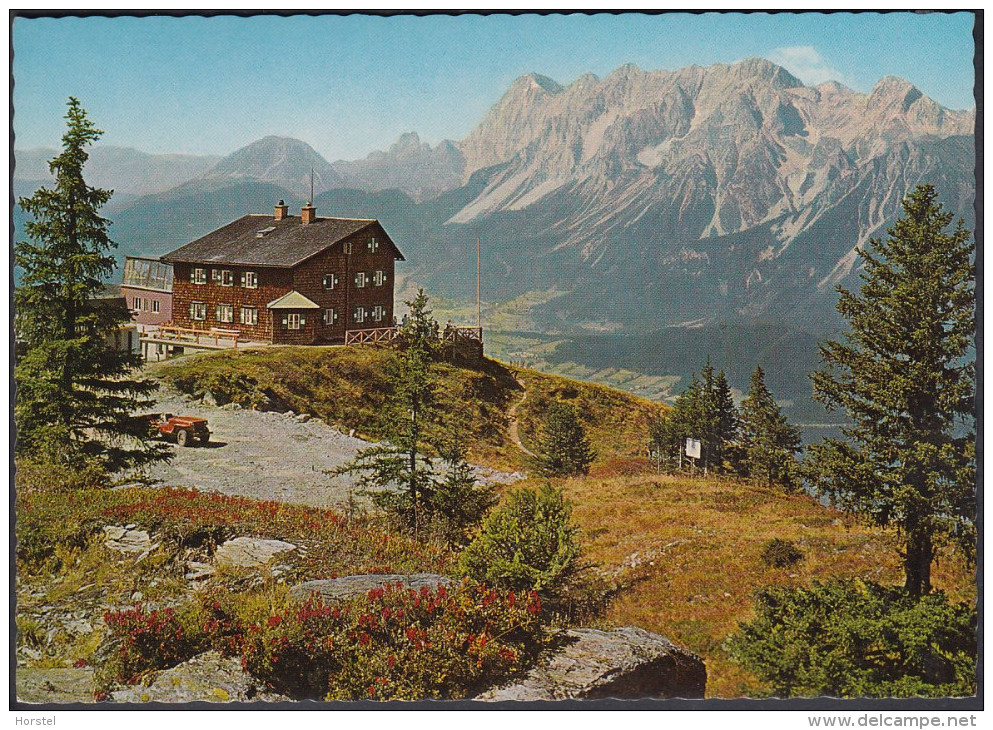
{"points": [[145, 640], [141, 641], [396, 643]]}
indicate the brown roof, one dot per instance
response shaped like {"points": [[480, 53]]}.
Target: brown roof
{"points": [[260, 240]]}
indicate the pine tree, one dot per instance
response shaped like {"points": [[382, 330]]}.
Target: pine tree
{"points": [[75, 392], [769, 442], [459, 501], [905, 375], [398, 472], [726, 424], [563, 448]]}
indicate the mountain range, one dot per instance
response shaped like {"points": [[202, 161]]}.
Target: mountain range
{"points": [[702, 197]]}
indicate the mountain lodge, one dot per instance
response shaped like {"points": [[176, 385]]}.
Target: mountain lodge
{"points": [[286, 279]]}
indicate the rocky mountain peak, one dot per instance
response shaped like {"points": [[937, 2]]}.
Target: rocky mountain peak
{"points": [[284, 161]]}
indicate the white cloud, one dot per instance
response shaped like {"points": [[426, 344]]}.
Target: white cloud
{"points": [[807, 64]]}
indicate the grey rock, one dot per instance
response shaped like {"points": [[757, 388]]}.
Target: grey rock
{"points": [[79, 627], [349, 586], [210, 399], [57, 686], [250, 552], [205, 678], [198, 571], [127, 539], [625, 663]]}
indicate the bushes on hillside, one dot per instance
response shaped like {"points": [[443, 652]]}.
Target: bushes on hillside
{"points": [[392, 643], [528, 543], [779, 553], [859, 639]]}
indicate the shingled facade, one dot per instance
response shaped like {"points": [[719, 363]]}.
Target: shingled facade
{"points": [[287, 279]]}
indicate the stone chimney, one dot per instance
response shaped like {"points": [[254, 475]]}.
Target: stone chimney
{"points": [[308, 214], [281, 211]]}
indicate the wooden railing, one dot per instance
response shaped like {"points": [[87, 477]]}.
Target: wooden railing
{"points": [[462, 334], [373, 336], [212, 336]]}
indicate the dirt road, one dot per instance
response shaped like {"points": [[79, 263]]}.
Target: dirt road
{"points": [[266, 456]]}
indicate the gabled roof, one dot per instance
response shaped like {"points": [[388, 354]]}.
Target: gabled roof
{"points": [[260, 240], [292, 300]]}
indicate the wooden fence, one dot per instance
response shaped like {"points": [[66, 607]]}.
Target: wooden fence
{"points": [[374, 336]]}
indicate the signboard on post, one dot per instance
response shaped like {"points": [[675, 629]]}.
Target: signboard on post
{"points": [[693, 448]]}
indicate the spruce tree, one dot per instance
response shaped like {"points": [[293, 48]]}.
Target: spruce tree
{"points": [[726, 423], [74, 392], [769, 442], [459, 501], [398, 472], [904, 373], [563, 448]]}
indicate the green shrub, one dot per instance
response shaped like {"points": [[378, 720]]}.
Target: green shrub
{"points": [[396, 643], [859, 639], [528, 543], [777, 553]]}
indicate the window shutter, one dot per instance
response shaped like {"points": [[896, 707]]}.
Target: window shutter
{"points": [[193, 275], [285, 321], [303, 320], [241, 279]]}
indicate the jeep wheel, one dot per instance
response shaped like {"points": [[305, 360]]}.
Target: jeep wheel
{"points": [[204, 438], [182, 437]]}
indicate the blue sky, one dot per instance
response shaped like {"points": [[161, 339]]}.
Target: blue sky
{"points": [[349, 85]]}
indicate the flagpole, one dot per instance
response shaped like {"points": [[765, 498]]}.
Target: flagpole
{"points": [[479, 306]]}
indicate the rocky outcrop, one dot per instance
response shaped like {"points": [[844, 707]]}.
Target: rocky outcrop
{"points": [[127, 539], [205, 678], [250, 552], [625, 663], [349, 586], [53, 686]]}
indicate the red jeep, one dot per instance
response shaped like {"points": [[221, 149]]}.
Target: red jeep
{"points": [[181, 428]]}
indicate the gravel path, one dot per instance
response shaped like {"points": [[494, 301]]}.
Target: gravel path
{"points": [[266, 455]]}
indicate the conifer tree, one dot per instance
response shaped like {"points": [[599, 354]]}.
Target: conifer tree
{"points": [[74, 392], [459, 501], [400, 463], [904, 373], [769, 442], [563, 448]]}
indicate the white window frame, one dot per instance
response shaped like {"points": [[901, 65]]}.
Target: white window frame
{"points": [[215, 276], [198, 275], [373, 245], [379, 278], [330, 279], [360, 280], [250, 280], [249, 316], [378, 312], [359, 315], [293, 321], [198, 308], [225, 313], [156, 306], [137, 304], [227, 277]]}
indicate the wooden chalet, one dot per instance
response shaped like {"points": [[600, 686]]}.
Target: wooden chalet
{"points": [[286, 279]]}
